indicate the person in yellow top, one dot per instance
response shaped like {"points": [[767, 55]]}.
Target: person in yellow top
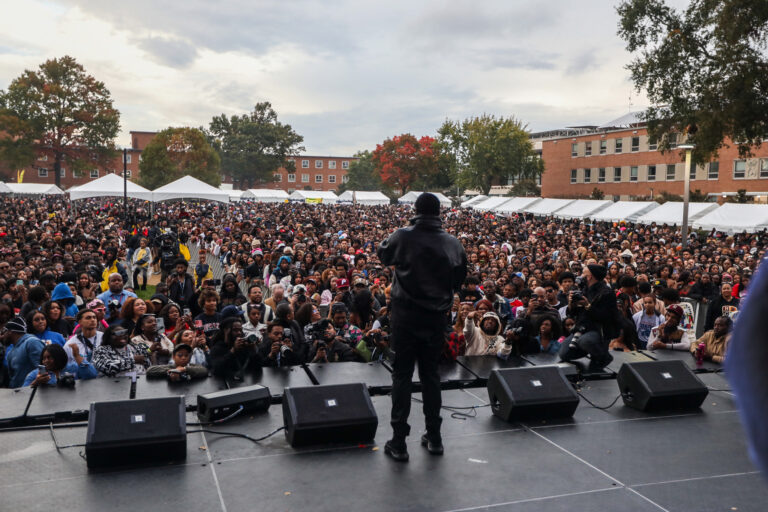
{"points": [[112, 266], [715, 341], [141, 258]]}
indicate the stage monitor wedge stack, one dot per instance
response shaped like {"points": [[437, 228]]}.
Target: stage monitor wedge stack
{"points": [[660, 385], [537, 392], [221, 404], [136, 432], [340, 413]]}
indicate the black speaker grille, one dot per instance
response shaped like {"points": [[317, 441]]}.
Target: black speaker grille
{"points": [[536, 384]]}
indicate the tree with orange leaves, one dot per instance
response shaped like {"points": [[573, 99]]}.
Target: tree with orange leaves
{"points": [[405, 160]]}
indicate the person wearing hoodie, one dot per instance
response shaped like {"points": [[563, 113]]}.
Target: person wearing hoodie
{"points": [[23, 351], [485, 338], [63, 295], [282, 269]]}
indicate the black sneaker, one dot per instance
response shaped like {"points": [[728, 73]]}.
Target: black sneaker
{"points": [[397, 451], [433, 447]]}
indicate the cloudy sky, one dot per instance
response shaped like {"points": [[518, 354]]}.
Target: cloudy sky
{"points": [[345, 74]]}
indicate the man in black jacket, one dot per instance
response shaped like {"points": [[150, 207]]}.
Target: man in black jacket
{"points": [[430, 266], [595, 314]]}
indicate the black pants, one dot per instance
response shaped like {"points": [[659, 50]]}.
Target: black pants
{"points": [[139, 271], [590, 343], [422, 344]]}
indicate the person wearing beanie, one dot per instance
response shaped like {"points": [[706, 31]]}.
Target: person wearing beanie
{"points": [[596, 319], [23, 351], [430, 267]]}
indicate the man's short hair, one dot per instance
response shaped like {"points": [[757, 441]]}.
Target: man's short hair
{"points": [[181, 261], [566, 275], [113, 274], [628, 282], [670, 294]]}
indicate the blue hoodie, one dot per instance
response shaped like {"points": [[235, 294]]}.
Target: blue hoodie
{"points": [[63, 294], [24, 358]]}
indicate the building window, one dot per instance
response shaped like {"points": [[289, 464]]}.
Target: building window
{"points": [[332, 164], [764, 168], [574, 149], [651, 173], [603, 146], [633, 173], [672, 138], [739, 169], [714, 171], [601, 175], [652, 145], [305, 178], [43, 158], [62, 172], [42, 173], [692, 174], [619, 146], [318, 164], [331, 179], [573, 176], [587, 175], [588, 148], [278, 177], [671, 172], [291, 178], [344, 178], [318, 178], [127, 158], [77, 174], [345, 165], [635, 144], [305, 164], [94, 173], [617, 174]]}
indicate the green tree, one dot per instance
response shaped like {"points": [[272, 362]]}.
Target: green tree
{"points": [[254, 145], [487, 150], [741, 197], [177, 152], [526, 187], [697, 196], [704, 69], [62, 110], [597, 194], [362, 174]]}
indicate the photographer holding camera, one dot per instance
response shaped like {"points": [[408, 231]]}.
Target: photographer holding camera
{"points": [[594, 309], [233, 354], [327, 346], [280, 347], [292, 330], [167, 254]]}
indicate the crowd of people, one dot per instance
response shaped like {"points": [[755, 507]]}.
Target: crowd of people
{"points": [[303, 283]]}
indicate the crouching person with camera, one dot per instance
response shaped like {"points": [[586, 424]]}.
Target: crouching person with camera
{"points": [[594, 310], [55, 370], [279, 347], [179, 370], [326, 346], [233, 354]]}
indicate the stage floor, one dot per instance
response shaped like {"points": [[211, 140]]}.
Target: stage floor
{"points": [[617, 460]]}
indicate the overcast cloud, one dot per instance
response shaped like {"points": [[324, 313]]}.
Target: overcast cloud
{"points": [[346, 74]]}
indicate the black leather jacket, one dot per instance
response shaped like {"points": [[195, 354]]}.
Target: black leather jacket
{"points": [[430, 266], [602, 314]]}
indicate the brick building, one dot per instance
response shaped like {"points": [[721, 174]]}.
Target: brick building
{"points": [[313, 173], [620, 160]]}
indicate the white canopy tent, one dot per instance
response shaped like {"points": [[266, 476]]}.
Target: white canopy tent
{"points": [[624, 210], [517, 204], [188, 187], [671, 213], [547, 206], [264, 195], [36, 189], [4, 188], [411, 197], [582, 208], [474, 200], [491, 203], [314, 196], [735, 218], [364, 197], [109, 185], [235, 195]]}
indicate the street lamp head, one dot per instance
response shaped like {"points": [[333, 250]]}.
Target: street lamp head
{"points": [[686, 146]]}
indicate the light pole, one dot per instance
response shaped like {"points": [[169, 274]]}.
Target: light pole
{"points": [[686, 190]]}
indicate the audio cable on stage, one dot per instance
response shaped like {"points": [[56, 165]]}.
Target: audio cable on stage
{"points": [[237, 434]]}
